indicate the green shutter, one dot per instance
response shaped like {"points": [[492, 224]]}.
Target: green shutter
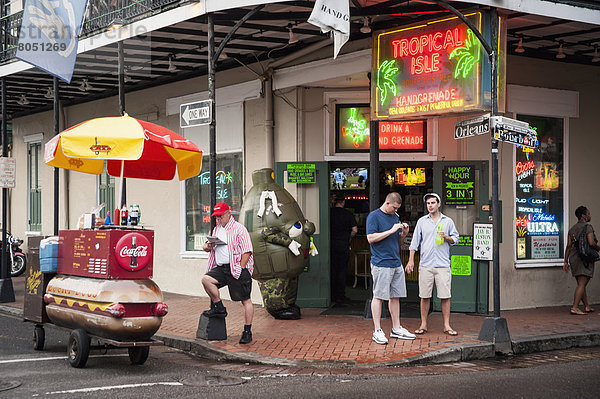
{"points": [[106, 192], [35, 187]]}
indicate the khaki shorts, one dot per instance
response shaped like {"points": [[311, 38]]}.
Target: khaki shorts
{"points": [[442, 278]]}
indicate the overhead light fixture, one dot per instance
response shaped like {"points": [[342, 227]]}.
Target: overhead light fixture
{"points": [[595, 58], [23, 100], [560, 55], [85, 86], [49, 93], [172, 67], [520, 48], [292, 38], [365, 28], [116, 24]]}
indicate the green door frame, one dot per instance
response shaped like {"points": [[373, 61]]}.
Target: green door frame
{"points": [[470, 293], [313, 287]]}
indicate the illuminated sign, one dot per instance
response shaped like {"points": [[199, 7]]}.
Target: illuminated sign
{"points": [[353, 131], [432, 68], [524, 169], [405, 135], [542, 228], [459, 185], [546, 176], [410, 176]]}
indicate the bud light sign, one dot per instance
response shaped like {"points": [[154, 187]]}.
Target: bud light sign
{"points": [[133, 252]]}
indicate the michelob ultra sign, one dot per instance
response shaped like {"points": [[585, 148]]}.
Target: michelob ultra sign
{"points": [[433, 68]]}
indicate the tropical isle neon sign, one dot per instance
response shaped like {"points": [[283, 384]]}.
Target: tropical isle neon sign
{"points": [[429, 69]]}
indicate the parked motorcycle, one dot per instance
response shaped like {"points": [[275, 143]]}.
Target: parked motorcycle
{"points": [[18, 261]]}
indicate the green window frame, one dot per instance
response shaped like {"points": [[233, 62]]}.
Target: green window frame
{"points": [[34, 155]]}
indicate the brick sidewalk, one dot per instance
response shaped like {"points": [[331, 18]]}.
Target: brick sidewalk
{"points": [[347, 339]]}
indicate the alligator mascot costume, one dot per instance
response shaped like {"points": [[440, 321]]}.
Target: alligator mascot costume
{"points": [[281, 243]]}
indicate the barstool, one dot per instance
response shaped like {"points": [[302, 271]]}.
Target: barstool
{"points": [[366, 273]]}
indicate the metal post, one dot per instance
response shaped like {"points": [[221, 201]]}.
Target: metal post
{"points": [[121, 51], [373, 195], [7, 294], [56, 176], [213, 126]]}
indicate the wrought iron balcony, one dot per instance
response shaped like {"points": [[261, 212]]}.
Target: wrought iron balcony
{"points": [[100, 16]]}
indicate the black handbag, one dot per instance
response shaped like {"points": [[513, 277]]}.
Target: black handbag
{"points": [[586, 253]]}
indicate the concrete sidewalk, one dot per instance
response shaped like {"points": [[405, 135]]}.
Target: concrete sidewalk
{"points": [[345, 341]]}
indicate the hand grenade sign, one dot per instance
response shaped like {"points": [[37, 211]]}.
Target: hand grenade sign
{"points": [[133, 252]]}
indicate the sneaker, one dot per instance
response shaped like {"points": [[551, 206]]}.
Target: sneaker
{"points": [[214, 312], [379, 337], [402, 333], [246, 337]]}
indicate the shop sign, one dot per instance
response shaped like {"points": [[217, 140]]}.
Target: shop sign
{"points": [[472, 127], [465, 241], [8, 170], [545, 247], [433, 68], [402, 135], [460, 265], [133, 252], [301, 173], [483, 241], [459, 185]]}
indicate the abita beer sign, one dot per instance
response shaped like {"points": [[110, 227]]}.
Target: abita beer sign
{"points": [[435, 67]]}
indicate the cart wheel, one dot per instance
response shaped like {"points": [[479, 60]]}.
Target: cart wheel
{"points": [[39, 337], [79, 348], [138, 354]]}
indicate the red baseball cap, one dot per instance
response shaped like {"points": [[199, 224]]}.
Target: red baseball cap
{"points": [[220, 209]]}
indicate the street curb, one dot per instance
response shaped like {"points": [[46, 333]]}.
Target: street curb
{"points": [[555, 342], [464, 352]]}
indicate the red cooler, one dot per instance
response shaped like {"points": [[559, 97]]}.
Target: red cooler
{"points": [[106, 254]]}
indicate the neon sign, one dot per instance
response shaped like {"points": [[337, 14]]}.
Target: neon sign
{"points": [[353, 131], [428, 69]]}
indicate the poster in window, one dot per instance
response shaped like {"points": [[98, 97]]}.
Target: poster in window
{"points": [[458, 185]]}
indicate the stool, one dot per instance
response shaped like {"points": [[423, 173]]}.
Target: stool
{"points": [[211, 328], [366, 273]]}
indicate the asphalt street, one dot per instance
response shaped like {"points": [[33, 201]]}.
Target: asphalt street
{"points": [[168, 373]]}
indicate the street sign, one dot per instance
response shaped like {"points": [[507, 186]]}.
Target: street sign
{"points": [[513, 131], [8, 168], [472, 127], [195, 114]]}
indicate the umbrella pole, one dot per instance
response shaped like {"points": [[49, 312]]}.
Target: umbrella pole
{"points": [[120, 197]]}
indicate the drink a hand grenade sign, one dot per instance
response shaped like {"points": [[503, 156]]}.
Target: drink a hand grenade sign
{"points": [[133, 252]]}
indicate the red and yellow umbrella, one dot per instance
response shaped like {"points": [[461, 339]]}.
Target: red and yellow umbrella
{"points": [[130, 147]]}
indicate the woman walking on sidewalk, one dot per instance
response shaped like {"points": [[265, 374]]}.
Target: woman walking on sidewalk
{"points": [[581, 270]]}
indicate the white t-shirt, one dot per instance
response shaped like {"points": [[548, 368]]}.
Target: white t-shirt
{"points": [[221, 251]]}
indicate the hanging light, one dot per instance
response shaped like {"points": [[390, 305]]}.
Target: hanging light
{"points": [[292, 38], [595, 58], [172, 67], [520, 48], [49, 93], [560, 55], [116, 24], [365, 28], [23, 100]]}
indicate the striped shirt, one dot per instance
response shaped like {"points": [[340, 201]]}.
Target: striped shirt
{"points": [[238, 243]]}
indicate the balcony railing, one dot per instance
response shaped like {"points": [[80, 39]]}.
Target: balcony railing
{"points": [[100, 16]]}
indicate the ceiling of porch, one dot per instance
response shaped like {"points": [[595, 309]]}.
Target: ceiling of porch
{"points": [[179, 51]]}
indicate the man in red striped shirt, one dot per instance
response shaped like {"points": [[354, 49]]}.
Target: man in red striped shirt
{"points": [[230, 263]]}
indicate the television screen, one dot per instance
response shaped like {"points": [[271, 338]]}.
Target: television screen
{"points": [[410, 176], [348, 179]]}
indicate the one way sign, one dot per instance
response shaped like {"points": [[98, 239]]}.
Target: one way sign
{"points": [[195, 114]]}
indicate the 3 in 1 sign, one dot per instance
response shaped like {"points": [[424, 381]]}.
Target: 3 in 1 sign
{"points": [[459, 185]]}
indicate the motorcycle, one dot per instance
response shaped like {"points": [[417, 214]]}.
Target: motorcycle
{"points": [[18, 261]]}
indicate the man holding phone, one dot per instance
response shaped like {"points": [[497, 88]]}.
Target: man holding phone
{"points": [[384, 234]]}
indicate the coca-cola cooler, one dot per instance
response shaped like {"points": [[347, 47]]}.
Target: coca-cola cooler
{"points": [[106, 254]]}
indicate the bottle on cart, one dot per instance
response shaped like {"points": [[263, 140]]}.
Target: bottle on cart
{"points": [[133, 262], [117, 216], [134, 213], [124, 215]]}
